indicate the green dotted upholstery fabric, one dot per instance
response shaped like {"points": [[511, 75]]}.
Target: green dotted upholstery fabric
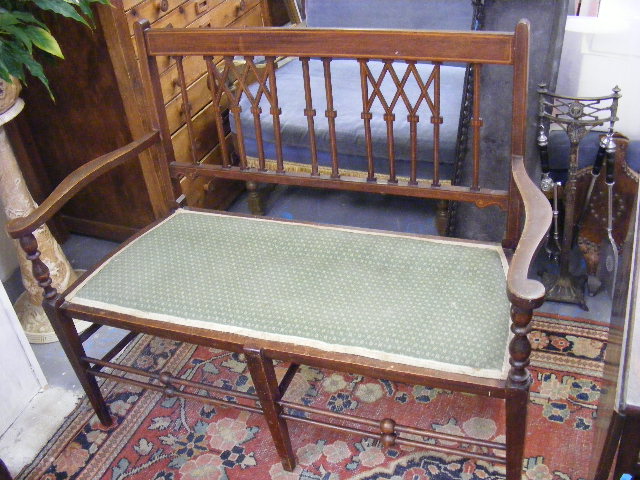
{"points": [[419, 301]]}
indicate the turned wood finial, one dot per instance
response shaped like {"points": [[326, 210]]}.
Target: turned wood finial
{"points": [[29, 244], [165, 378], [520, 347], [388, 435]]}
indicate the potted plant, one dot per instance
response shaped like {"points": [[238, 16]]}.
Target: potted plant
{"points": [[24, 36]]}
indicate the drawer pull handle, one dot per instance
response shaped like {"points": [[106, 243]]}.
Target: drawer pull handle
{"points": [[163, 5], [201, 6], [241, 6]]}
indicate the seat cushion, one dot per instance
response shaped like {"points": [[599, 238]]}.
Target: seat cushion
{"points": [[419, 301]]}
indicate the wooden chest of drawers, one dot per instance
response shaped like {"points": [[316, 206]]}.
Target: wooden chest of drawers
{"points": [[100, 106]]}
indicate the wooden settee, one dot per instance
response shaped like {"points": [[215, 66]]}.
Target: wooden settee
{"points": [[445, 313]]}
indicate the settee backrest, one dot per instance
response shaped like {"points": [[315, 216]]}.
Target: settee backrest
{"points": [[390, 14], [220, 49]]}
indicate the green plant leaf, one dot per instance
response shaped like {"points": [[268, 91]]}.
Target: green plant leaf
{"points": [[21, 34], [62, 8], [16, 59], [85, 7], [21, 30], [35, 69], [8, 19], [44, 41], [9, 54], [4, 72], [27, 17]]}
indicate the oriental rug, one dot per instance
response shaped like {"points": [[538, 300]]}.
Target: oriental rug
{"points": [[155, 437]]}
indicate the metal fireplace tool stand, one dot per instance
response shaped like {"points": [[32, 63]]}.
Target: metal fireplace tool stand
{"points": [[577, 117]]}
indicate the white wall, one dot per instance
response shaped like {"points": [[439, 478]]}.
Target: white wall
{"points": [[20, 374], [8, 255], [604, 51]]}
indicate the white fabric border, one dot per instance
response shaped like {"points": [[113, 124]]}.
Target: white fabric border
{"points": [[346, 349]]}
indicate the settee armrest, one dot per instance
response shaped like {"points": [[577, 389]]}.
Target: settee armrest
{"points": [[523, 291], [77, 180]]}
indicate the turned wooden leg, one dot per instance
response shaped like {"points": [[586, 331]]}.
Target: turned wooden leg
{"points": [[64, 328], [516, 429], [266, 383], [518, 381], [442, 217], [256, 205], [629, 450], [72, 346], [602, 465]]}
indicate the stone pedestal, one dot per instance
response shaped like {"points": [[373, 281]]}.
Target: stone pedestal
{"points": [[17, 202]]}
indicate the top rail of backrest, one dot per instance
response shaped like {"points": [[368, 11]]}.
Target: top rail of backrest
{"points": [[440, 46]]}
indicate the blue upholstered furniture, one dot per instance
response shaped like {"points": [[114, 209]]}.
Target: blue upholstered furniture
{"points": [[348, 101], [559, 152], [350, 133]]}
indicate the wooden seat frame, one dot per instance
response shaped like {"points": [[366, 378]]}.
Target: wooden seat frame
{"points": [[521, 241]]}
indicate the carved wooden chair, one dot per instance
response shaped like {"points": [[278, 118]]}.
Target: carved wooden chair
{"points": [[195, 276]]}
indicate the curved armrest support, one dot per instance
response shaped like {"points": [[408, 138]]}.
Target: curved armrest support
{"points": [[524, 292], [77, 180]]}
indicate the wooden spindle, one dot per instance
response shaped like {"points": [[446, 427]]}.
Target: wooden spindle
{"points": [[436, 120], [186, 106], [413, 120], [256, 110], [310, 112], [275, 112], [234, 108], [476, 123], [40, 271], [519, 347], [331, 115], [216, 99], [366, 117], [388, 434], [389, 119]]}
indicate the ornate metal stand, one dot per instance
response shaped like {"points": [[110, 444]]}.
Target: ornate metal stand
{"points": [[577, 117]]}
